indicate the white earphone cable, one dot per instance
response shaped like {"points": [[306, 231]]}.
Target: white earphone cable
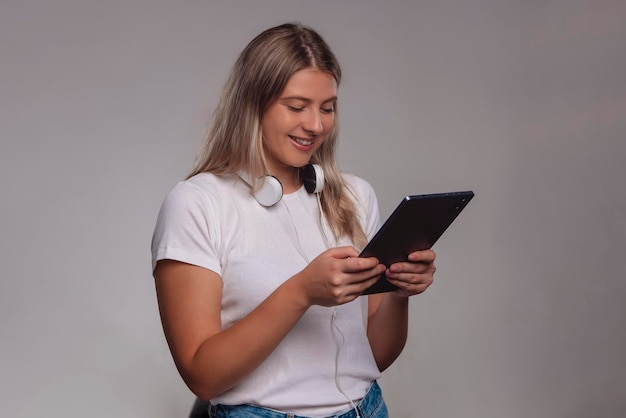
{"points": [[295, 230], [333, 324]]}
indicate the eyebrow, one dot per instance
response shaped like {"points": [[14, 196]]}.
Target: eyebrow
{"points": [[307, 100]]}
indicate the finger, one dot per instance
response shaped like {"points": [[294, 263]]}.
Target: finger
{"points": [[343, 252], [412, 277], [361, 264], [413, 285], [356, 289], [363, 279], [411, 267], [350, 290], [425, 256]]}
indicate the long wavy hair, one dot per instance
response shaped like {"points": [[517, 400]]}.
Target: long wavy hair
{"points": [[234, 141]]}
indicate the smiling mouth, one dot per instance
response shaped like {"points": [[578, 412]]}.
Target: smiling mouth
{"points": [[300, 141]]}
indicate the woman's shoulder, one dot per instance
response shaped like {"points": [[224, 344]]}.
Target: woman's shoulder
{"points": [[201, 190], [207, 181], [358, 185], [204, 184]]}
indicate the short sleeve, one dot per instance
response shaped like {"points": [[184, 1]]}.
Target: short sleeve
{"points": [[187, 229]]}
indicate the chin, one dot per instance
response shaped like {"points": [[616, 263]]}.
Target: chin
{"points": [[299, 163]]}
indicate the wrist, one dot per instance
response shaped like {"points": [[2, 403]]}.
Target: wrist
{"points": [[296, 292], [398, 296]]}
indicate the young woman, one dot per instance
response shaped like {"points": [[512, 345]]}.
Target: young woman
{"points": [[258, 280]]}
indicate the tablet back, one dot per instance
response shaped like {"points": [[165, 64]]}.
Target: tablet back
{"points": [[416, 224]]}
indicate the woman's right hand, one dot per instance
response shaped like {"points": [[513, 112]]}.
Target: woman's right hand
{"points": [[338, 276]]}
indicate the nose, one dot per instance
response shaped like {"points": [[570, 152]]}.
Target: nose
{"points": [[313, 123]]}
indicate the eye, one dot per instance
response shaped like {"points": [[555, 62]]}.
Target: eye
{"points": [[295, 108], [327, 110]]}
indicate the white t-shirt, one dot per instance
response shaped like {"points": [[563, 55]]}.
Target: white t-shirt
{"points": [[214, 222]]}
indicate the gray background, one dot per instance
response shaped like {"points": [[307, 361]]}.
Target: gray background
{"points": [[103, 105]]}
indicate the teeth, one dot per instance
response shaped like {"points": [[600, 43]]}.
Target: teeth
{"points": [[302, 141]]}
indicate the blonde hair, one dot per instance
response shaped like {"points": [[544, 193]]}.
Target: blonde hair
{"points": [[234, 140]]}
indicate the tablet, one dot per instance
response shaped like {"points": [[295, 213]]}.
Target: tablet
{"points": [[416, 224]]}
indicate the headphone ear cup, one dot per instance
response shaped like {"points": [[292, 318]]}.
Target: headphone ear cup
{"points": [[313, 178], [270, 192]]}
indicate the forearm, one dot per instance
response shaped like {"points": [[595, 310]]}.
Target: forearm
{"points": [[387, 329], [225, 358]]}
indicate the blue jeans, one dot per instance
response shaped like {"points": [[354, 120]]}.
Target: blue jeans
{"points": [[371, 406]]}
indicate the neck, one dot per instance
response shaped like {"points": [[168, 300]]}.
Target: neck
{"points": [[289, 179]]}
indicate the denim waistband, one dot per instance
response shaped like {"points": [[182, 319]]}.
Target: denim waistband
{"points": [[371, 406]]}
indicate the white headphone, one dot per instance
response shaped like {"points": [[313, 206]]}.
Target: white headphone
{"points": [[271, 191]]}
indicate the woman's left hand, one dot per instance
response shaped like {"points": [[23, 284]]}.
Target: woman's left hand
{"points": [[413, 276]]}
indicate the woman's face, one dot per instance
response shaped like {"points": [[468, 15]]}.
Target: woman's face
{"points": [[296, 124]]}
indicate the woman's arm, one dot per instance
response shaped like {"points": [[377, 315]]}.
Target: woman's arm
{"points": [[211, 360], [388, 313]]}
